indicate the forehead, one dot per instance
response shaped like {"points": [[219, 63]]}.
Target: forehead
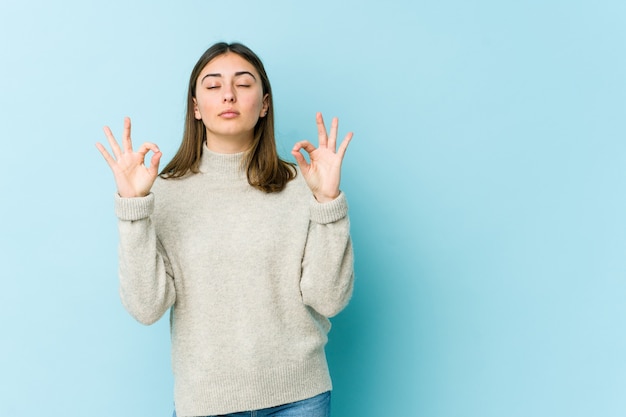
{"points": [[227, 65]]}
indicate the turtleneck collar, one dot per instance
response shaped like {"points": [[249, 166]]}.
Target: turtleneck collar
{"points": [[225, 165]]}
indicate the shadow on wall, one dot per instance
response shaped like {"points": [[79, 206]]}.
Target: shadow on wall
{"points": [[374, 351]]}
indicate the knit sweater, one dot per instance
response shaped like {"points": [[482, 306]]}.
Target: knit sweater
{"points": [[250, 280]]}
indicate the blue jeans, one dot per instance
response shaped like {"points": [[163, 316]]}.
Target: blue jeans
{"points": [[318, 406]]}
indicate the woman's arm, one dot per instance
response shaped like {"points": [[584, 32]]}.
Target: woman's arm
{"points": [[327, 268], [146, 288], [328, 265], [146, 281]]}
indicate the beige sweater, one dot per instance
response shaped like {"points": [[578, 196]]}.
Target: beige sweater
{"points": [[251, 279]]}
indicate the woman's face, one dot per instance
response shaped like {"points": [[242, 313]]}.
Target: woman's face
{"points": [[229, 101]]}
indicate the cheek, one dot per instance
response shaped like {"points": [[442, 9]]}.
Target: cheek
{"points": [[204, 104], [250, 98]]}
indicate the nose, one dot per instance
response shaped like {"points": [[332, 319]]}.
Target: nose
{"points": [[229, 96]]}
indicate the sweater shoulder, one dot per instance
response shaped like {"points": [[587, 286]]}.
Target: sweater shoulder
{"points": [[173, 188], [298, 184]]}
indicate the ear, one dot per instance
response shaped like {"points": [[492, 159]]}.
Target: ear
{"points": [[266, 105], [196, 112]]}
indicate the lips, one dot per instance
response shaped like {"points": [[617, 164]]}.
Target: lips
{"points": [[229, 114]]}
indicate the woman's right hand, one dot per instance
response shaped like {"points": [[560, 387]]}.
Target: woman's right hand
{"points": [[132, 177]]}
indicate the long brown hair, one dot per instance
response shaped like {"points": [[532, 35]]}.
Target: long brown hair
{"points": [[264, 169]]}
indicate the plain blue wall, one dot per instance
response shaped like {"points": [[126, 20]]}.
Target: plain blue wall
{"points": [[486, 181]]}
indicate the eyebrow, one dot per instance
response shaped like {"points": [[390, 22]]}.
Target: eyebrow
{"points": [[237, 74]]}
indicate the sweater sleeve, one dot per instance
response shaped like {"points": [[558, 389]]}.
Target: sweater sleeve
{"points": [[146, 281], [327, 268]]}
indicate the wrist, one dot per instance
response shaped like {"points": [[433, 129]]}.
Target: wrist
{"points": [[132, 195], [325, 198]]}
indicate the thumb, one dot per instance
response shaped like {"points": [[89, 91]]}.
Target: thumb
{"points": [[302, 163], [154, 163]]}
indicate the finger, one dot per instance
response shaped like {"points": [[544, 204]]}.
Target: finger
{"points": [[332, 140], [107, 156], [147, 147], [112, 142], [344, 145], [302, 163], [321, 130], [300, 159], [128, 146], [306, 145], [154, 164]]}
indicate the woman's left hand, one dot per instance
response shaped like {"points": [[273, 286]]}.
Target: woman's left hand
{"points": [[323, 173]]}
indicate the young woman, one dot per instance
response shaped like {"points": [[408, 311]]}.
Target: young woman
{"points": [[251, 253]]}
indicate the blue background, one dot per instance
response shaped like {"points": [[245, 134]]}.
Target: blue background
{"points": [[486, 182]]}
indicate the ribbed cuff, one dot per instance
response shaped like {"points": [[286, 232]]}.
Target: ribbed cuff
{"points": [[330, 212], [131, 209]]}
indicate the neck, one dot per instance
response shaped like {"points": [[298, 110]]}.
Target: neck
{"points": [[222, 165], [228, 144]]}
